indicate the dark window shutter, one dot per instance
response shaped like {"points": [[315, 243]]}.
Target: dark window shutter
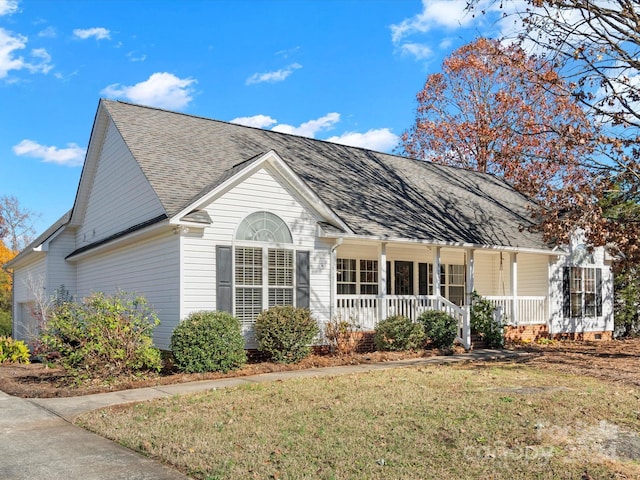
{"points": [[423, 279], [598, 292], [224, 277], [566, 292], [389, 278], [303, 289]]}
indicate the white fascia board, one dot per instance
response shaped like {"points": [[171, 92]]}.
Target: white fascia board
{"points": [[26, 256], [194, 225], [272, 159], [467, 246], [33, 255]]}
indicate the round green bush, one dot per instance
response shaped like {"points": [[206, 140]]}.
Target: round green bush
{"points": [[285, 333], [441, 329], [397, 333], [208, 342]]}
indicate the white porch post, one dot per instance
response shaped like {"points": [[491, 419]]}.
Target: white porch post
{"points": [[466, 324], [514, 288], [382, 282], [470, 275], [333, 282], [436, 275]]}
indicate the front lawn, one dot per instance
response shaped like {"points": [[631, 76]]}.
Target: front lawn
{"points": [[499, 421]]}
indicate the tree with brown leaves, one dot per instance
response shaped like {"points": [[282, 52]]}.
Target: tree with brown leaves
{"points": [[489, 111], [596, 48]]}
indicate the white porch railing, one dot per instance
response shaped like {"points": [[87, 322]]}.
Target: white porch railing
{"points": [[530, 310], [360, 309], [366, 311]]}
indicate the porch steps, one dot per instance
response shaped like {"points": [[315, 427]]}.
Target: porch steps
{"points": [[477, 342]]}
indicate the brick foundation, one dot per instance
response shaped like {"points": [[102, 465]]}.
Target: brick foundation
{"points": [[527, 333], [366, 343], [531, 333], [585, 336]]}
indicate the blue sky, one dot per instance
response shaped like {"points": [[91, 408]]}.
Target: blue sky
{"points": [[338, 70]]}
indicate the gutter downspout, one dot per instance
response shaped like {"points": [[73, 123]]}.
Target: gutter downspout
{"points": [[332, 280]]}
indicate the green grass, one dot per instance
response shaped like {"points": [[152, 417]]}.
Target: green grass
{"points": [[485, 421]]}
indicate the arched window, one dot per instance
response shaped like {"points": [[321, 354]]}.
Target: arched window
{"points": [[264, 265], [264, 227], [582, 256]]}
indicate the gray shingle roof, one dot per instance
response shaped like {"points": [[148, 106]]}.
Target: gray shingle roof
{"points": [[375, 194]]}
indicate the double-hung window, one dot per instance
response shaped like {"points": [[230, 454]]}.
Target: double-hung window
{"points": [[452, 281], [346, 276], [368, 277], [582, 292], [280, 267], [356, 276]]}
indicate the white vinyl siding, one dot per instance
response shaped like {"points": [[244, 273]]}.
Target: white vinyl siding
{"points": [[533, 273], [28, 281], [60, 271], [589, 261], [149, 268], [261, 191], [120, 197], [493, 275], [29, 278]]}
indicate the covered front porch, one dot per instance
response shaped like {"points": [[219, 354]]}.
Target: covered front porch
{"points": [[373, 281]]}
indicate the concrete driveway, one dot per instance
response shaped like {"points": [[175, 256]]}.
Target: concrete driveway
{"points": [[39, 445]]}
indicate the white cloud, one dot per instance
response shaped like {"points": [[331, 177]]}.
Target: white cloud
{"points": [[490, 18], [71, 156], [48, 32], [162, 90], [418, 50], [310, 128], [136, 58], [257, 121], [380, 139], [435, 13], [44, 61], [8, 7], [288, 52], [10, 43], [99, 33], [272, 77]]}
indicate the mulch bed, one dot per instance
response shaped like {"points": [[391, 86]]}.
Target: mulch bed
{"points": [[617, 361]]}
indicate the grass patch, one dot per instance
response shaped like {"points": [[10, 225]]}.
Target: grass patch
{"points": [[504, 421]]}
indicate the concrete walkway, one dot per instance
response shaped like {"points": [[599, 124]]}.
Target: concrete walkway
{"points": [[40, 442]]}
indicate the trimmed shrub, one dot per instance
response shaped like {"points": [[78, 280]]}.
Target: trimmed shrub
{"points": [[5, 324], [104, 336], [397, 333], [483, 323], [343, 336], [13, 351], [285, 333], [208, 342], [441, 329]]}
